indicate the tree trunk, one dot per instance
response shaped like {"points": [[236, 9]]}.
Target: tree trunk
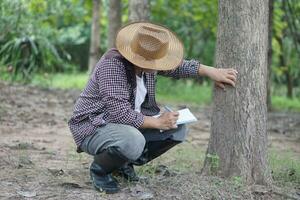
{"points": [[270, 31], [282, 64], [115, 21], [289, 80], [95, 36], [238, 142], [139, 10]]}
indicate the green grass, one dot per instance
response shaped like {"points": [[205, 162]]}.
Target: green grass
{"points": [[63, 81], [283, 103], [182, 91], [285, 166], [184, 158], [168, 90]]}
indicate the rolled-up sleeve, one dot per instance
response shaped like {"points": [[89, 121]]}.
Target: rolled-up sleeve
{"points": [[113, 85], [187, 69]]}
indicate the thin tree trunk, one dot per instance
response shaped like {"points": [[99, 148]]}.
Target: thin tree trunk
{"points": [[291, 26], [95, 36], [270, 51], [282, 64], [238, 142], [115, 21], [139, 10], [289, 80]]}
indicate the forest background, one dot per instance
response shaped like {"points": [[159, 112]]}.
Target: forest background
{"points": [[46, 43]]}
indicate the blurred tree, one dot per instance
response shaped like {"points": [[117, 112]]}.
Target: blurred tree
{"points": [[95, 36], [292, 46], [286, 44], [115, 21], [139, 10], [195, 24], [270, 35], [238, 142]]}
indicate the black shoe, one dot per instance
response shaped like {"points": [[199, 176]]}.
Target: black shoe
{"points": [[103, 182], [100, 170], [127, 172]]}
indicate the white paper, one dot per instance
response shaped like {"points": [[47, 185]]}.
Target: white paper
{"points": [[185, 116]]}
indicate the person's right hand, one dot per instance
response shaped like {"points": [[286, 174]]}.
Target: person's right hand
{"points": [[168, 120]]}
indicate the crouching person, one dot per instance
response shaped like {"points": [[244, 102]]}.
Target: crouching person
{"points": [[113, 117]]}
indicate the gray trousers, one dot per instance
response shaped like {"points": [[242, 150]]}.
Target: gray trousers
{"points": [[139, 146]]}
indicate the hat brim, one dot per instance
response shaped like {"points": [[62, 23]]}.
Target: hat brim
{"points": [[171, 60]]}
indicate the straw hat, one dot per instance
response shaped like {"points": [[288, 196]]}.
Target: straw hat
{"points": [[150, 46]]}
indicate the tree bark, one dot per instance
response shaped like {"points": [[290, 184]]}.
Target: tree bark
{"points": [[270, 52], [238, 142], [139, 10], [115, 21], [95, 36]]}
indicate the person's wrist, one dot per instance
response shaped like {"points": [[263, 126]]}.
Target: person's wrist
{"points": [[203, 70], [157, 123]]}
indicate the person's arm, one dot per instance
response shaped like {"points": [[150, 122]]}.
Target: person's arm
{"points": [[193, 68], [187, 69]]}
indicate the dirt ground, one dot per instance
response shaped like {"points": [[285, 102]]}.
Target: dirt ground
{"points": [[38, 158]]}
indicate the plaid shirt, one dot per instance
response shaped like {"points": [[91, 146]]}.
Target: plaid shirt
{"points": [[109, 95]]}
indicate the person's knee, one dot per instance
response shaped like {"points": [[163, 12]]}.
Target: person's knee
{"points": [[132, 144]]}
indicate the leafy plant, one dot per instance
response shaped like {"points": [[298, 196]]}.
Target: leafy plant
{"points": [[34, 35], [25, 55]]}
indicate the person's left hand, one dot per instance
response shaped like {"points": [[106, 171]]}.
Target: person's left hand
{"points": [[222, 76]]}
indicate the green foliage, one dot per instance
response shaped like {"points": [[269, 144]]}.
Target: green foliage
{"points": [[53, 36], [194, 21], [23, 49], [27, 54], [35, 33], [285, 42]]}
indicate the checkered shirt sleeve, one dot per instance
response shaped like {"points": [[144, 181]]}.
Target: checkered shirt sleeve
{"points": [[187, 69]]}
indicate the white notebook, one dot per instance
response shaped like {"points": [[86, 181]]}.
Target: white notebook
{"points": [[185, 116]]}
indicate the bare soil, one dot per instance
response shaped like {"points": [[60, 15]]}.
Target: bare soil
{"points": [[38, 158]]}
